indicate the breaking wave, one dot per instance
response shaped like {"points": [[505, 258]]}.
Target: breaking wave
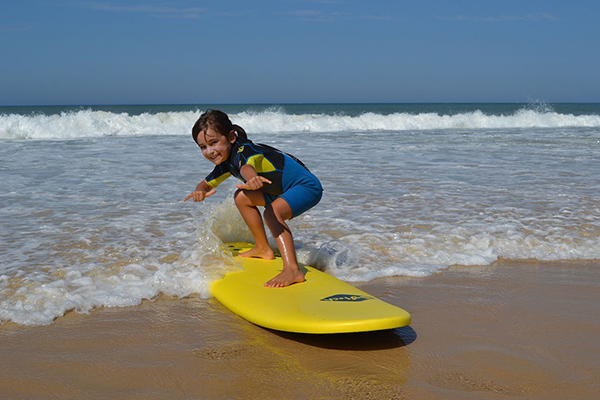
{"points": [[88, 123]]}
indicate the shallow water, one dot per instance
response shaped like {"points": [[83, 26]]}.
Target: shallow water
{"points": [[92, 215]]}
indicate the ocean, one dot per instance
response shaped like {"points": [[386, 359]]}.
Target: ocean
{"points": [[92, 212]]}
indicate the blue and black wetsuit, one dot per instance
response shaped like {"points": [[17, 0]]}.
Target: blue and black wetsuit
{"points": [[291, 180]]}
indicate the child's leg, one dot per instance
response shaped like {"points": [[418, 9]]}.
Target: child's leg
{"points": [[247, 202], [275, 215]]}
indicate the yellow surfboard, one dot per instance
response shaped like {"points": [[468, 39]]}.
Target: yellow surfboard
{"points": [[321, 304]]}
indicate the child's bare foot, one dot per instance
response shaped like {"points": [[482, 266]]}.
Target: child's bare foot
{"points": [[265, 254], [286, 278]]}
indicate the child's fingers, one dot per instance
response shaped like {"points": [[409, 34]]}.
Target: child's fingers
{"points": [[254, 184], [199, 195]]}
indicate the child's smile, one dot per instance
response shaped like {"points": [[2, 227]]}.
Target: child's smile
{"points": [[215, 147]]}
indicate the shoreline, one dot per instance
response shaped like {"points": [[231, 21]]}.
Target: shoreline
{"points": [[521, 329]]}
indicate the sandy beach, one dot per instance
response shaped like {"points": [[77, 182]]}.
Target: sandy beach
{"points": [[527, 330]]}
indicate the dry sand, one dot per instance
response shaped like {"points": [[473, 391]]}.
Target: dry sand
{"points": [[522, 330]]}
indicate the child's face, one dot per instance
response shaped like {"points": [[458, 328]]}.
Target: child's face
{"points": [[215, 147]]}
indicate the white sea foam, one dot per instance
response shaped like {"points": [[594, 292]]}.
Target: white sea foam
{"points": [[88, 123], [84, 273]]}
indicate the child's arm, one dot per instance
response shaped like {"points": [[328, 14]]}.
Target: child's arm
{"points": [[203, 190], [253, 180]]}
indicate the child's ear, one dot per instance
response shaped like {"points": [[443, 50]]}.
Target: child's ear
{"points": [[232, 137]]}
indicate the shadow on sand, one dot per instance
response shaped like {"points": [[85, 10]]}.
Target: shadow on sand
{"points": [[377, 340]]}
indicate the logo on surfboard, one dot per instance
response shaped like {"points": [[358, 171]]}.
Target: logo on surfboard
{"points": [[347, 297]]}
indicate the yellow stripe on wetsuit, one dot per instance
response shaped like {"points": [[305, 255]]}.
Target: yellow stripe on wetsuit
{"points": [[260, 163], [218, 180]]}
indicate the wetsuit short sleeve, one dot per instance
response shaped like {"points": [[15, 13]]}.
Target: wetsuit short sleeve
{"points": [[218, 175]]}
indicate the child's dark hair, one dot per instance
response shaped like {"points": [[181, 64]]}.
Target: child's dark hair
{"points": [[219, 121]]}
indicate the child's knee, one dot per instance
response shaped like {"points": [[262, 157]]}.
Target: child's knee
{"points": [[240, 198], [279, 210], [248, 198]]}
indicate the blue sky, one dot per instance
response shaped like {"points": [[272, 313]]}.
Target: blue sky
{"points": [[78, 52]]}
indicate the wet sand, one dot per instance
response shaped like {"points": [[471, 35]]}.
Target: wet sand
{"points": [[525, 330]]}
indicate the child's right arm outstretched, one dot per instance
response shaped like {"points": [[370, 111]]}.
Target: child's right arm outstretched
{"points": [[203, 190]]}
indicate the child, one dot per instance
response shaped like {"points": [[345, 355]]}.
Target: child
{"points": [[272, 179]]}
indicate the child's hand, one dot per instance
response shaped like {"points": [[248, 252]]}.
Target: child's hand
{"points": [[254, 183], [200, 195]]}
